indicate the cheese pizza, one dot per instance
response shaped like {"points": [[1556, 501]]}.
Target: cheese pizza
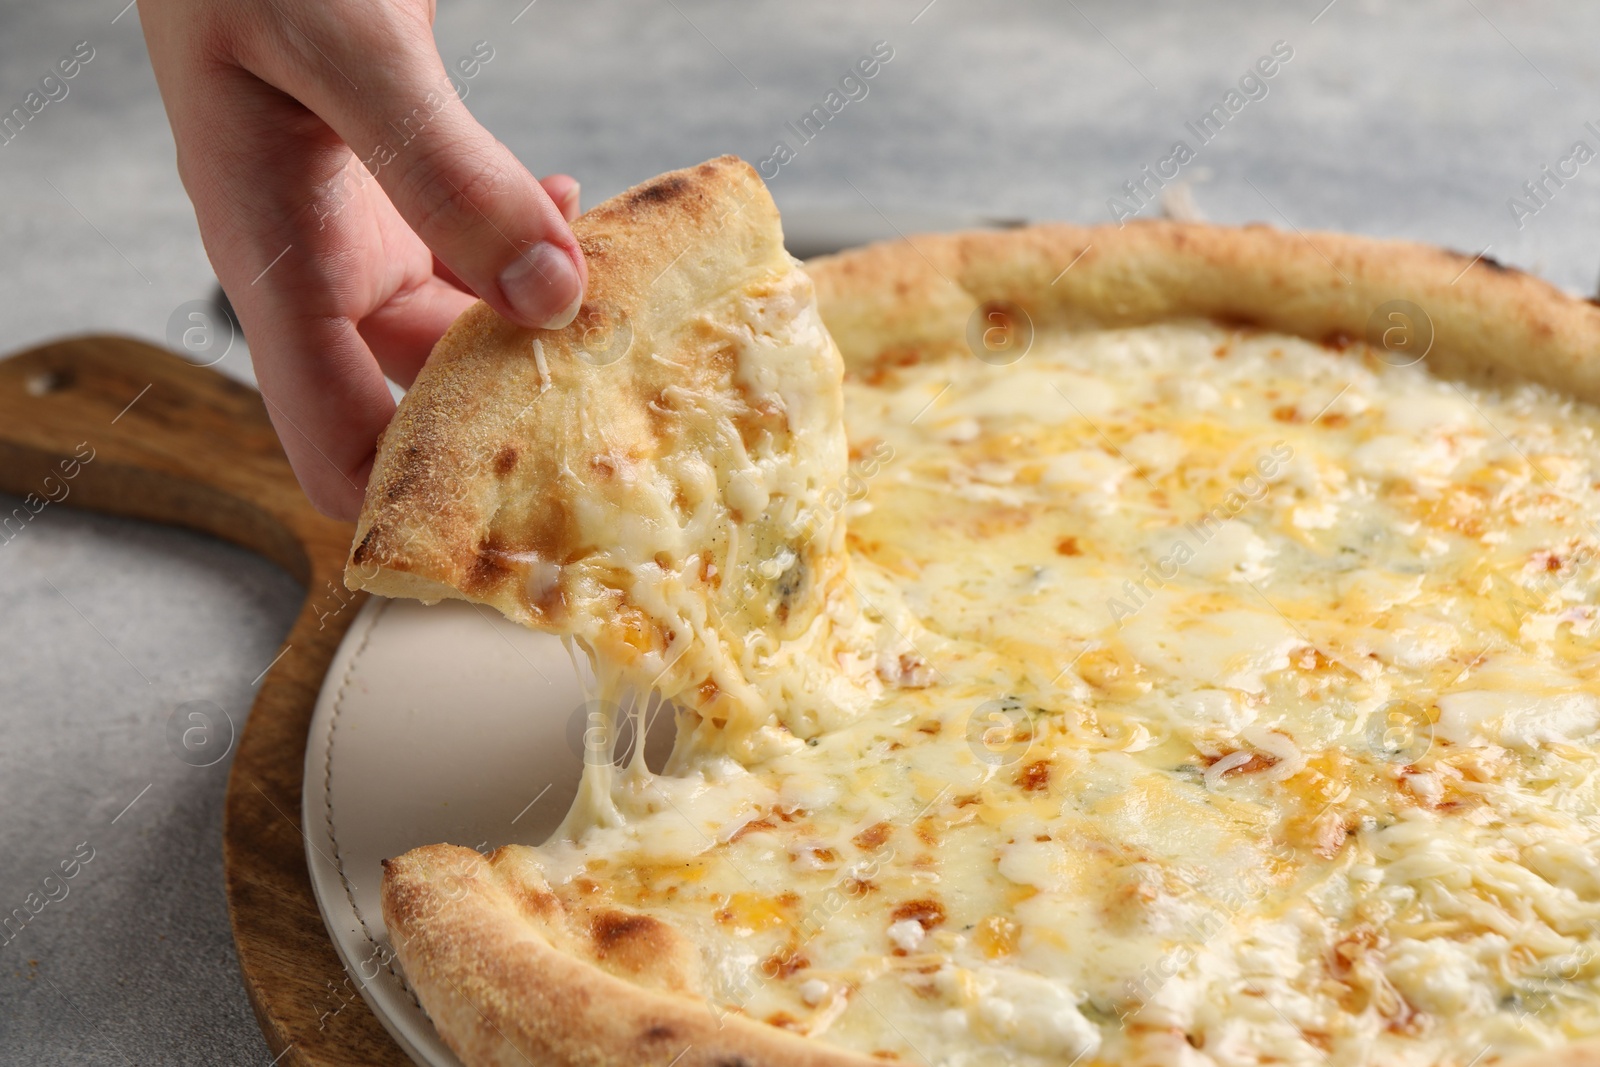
{"points": [[1168, 644]]}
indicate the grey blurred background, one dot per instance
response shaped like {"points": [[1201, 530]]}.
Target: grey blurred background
{"points": [[1419, 120]]}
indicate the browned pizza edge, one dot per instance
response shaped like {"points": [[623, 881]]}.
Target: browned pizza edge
{"points": [[512, 975], [914, 299]]}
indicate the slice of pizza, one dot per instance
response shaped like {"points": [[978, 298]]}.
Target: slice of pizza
{"points": [[658, 480]]}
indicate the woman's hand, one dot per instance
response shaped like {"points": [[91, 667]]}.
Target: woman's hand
{"points": [[350, 204]]}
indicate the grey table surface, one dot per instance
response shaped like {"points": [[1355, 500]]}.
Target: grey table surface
{"points": [[1419, 120]]}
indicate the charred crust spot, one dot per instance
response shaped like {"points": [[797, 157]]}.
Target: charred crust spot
{"points": [[612, 930], [505, 460], [402, 482], [1338, 340], [662, 191], [1487, 260], [537, 902], [659, 1032], [406, 473], [384, 863], [1035, 777], [486, 571], [363, 554], [1236, 320], [548, 533], [928, 912]]}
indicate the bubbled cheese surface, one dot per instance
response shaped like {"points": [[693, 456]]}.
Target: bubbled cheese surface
{"points": [[1240, 707]]}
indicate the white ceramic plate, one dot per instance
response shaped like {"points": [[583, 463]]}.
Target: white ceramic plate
{"points": [[443, 723]]}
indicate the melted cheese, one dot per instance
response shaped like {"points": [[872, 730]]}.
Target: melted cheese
{"points": [[1233, 701]]}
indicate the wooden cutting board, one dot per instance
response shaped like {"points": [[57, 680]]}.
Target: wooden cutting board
{"points": [[181, 444]]}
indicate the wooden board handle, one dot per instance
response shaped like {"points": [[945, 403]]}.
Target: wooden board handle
{"points": [[116, 425], [171, 442]]}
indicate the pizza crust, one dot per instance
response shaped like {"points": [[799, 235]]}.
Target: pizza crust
{"points": [[1490, 323], [510, 972]]}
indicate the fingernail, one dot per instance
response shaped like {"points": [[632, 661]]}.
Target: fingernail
{"points": [[543, 286], [569, 202]]}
